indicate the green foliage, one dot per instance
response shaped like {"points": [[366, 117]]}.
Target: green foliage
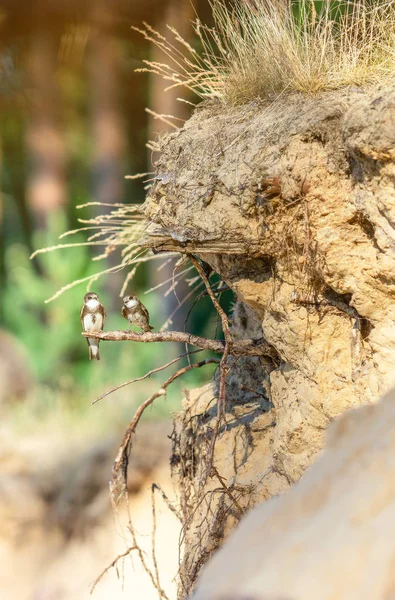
{"points": [[51, 332]]}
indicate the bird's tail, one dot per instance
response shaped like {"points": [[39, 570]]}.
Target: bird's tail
{"points": [[94, 353]]}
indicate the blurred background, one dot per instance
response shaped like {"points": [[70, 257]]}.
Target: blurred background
{"points": [[73, 124]]}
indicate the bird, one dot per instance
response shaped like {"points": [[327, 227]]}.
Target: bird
{"points": [[93, 316], [136, 313]]}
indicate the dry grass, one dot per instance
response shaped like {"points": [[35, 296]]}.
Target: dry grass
{"points": [[120, 229], [262, 48]]}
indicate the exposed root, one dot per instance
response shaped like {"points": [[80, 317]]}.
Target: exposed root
{"points": [[146, 376], [118, 485], [166, 500], [226, 331], [114, 563]]}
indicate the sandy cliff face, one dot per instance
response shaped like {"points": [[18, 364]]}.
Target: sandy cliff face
{"points": [[331, 535], [293, 204]]}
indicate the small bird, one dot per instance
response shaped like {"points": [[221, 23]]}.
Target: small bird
{"points": [[92, 318], [136, 313]]}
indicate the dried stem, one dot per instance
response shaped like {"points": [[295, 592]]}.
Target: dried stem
{"points": [[146, 376], [140, 552], [218, 307], [166, 500], [119, 471], [227, 491], [111, 565], [153, 542], [225, 329]]}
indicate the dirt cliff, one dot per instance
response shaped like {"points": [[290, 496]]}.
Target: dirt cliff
{"points": [[293, 204], [324, 538]]}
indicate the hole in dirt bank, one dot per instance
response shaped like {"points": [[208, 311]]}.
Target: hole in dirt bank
{"points": [[260, 269], [362, 166], [364, 223], [355, 169], [332, 296], [366, 328]]}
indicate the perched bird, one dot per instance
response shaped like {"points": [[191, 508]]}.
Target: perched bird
{"points": [[136, 313], [92, 318]]}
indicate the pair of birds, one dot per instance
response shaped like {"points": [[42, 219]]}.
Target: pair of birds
{"points": [[93, 316]]}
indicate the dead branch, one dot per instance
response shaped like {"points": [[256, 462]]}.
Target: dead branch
{"points": [[248, 347], [228, 492], [147, 375], [110, 566], [218, 307], [228, 338], [120, 467], [223, 369], [166, 500], [155, 562], [139, 550]]}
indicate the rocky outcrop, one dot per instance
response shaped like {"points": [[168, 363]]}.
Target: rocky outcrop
{"points": [[293, 204], [330, 536]]}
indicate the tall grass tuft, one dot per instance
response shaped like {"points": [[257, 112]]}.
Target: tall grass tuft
{"points": [[263, 48]]}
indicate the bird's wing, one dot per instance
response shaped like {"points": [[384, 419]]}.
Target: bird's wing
{"points": [[103, 313], [82, 317], [145, 312]]}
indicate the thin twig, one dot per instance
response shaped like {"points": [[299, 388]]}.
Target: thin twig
{"points": [[110, 566], [186, 297], [140, 552], [257, 394], [227, 491], [119, 470], [166, 500], [153, 543], [218, 307], [225, 329], [147, 375], [221, 405]]}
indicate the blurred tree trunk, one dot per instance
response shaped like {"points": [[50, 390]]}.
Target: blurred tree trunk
{"points": [[46, 186], [2, 236], [178, 14], [108, 127]]}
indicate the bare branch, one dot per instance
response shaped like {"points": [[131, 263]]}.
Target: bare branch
{"points": [[119, 470], [139, 550], [111, 565], [247, 347], [223, 368], [146, 376], [218, 307], [228, 492], [166, 500], [155, 562]]}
